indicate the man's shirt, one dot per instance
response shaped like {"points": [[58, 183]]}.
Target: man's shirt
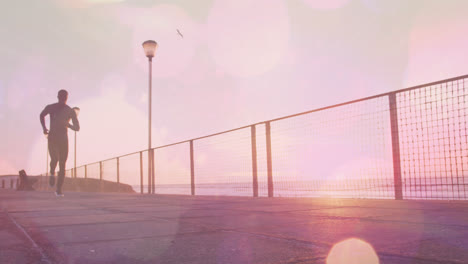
{"points": [[60, 115]]}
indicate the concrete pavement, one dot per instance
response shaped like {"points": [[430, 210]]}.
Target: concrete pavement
{"points": [[37, 227]]}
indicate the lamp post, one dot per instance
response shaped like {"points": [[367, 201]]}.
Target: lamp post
{"points": [[77, 112], [149, 47], [47, 158]]}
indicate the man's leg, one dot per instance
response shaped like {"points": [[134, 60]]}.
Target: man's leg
{"points": [[54, 158], [63, 155]]}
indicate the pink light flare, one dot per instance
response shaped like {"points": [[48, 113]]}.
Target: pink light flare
{"points": [[77, 4], [247, 38], [436, 46], [326, 4], [7, 168], [20, 89]]}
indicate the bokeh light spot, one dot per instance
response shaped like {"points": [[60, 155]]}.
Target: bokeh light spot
{"points": [[435, 43], [352, 251], [247, 37]]}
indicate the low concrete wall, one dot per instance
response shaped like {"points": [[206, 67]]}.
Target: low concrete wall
{"points": [[72, 184], [95, 185]]}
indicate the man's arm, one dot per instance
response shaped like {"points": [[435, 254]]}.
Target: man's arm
{"points": [[76, 123], [42, 118]]}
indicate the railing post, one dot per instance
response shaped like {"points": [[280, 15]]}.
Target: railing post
{"points": [[395, 146], [141, 172], [192, 169], [254, 161], [149, 172], [118, 174], [100, 176], [153, 181], [86, 177], [3, 184], [269, 165]]}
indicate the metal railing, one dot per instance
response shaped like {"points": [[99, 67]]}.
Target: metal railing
{"points": [[405, 144]]}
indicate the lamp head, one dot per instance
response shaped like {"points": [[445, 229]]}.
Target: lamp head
{"points": [[149, 47]]}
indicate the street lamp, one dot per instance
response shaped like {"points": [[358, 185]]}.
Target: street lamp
{"points": [[77, 112], [149, 47]]}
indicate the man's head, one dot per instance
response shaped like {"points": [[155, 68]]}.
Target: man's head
{"points": [[62, 96]]}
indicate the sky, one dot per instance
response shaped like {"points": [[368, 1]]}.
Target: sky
{"points": [[238, 62]]}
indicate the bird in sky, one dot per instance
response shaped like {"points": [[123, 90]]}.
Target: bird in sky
{"points": [[180, 34]]}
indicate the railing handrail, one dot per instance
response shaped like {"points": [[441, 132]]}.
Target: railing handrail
{"points": [[294, 115]]}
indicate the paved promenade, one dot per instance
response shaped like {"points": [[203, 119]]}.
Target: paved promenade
{"points": [[37, 227]]}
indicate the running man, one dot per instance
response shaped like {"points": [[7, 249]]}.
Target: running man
{"points": [[60, 115]]}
